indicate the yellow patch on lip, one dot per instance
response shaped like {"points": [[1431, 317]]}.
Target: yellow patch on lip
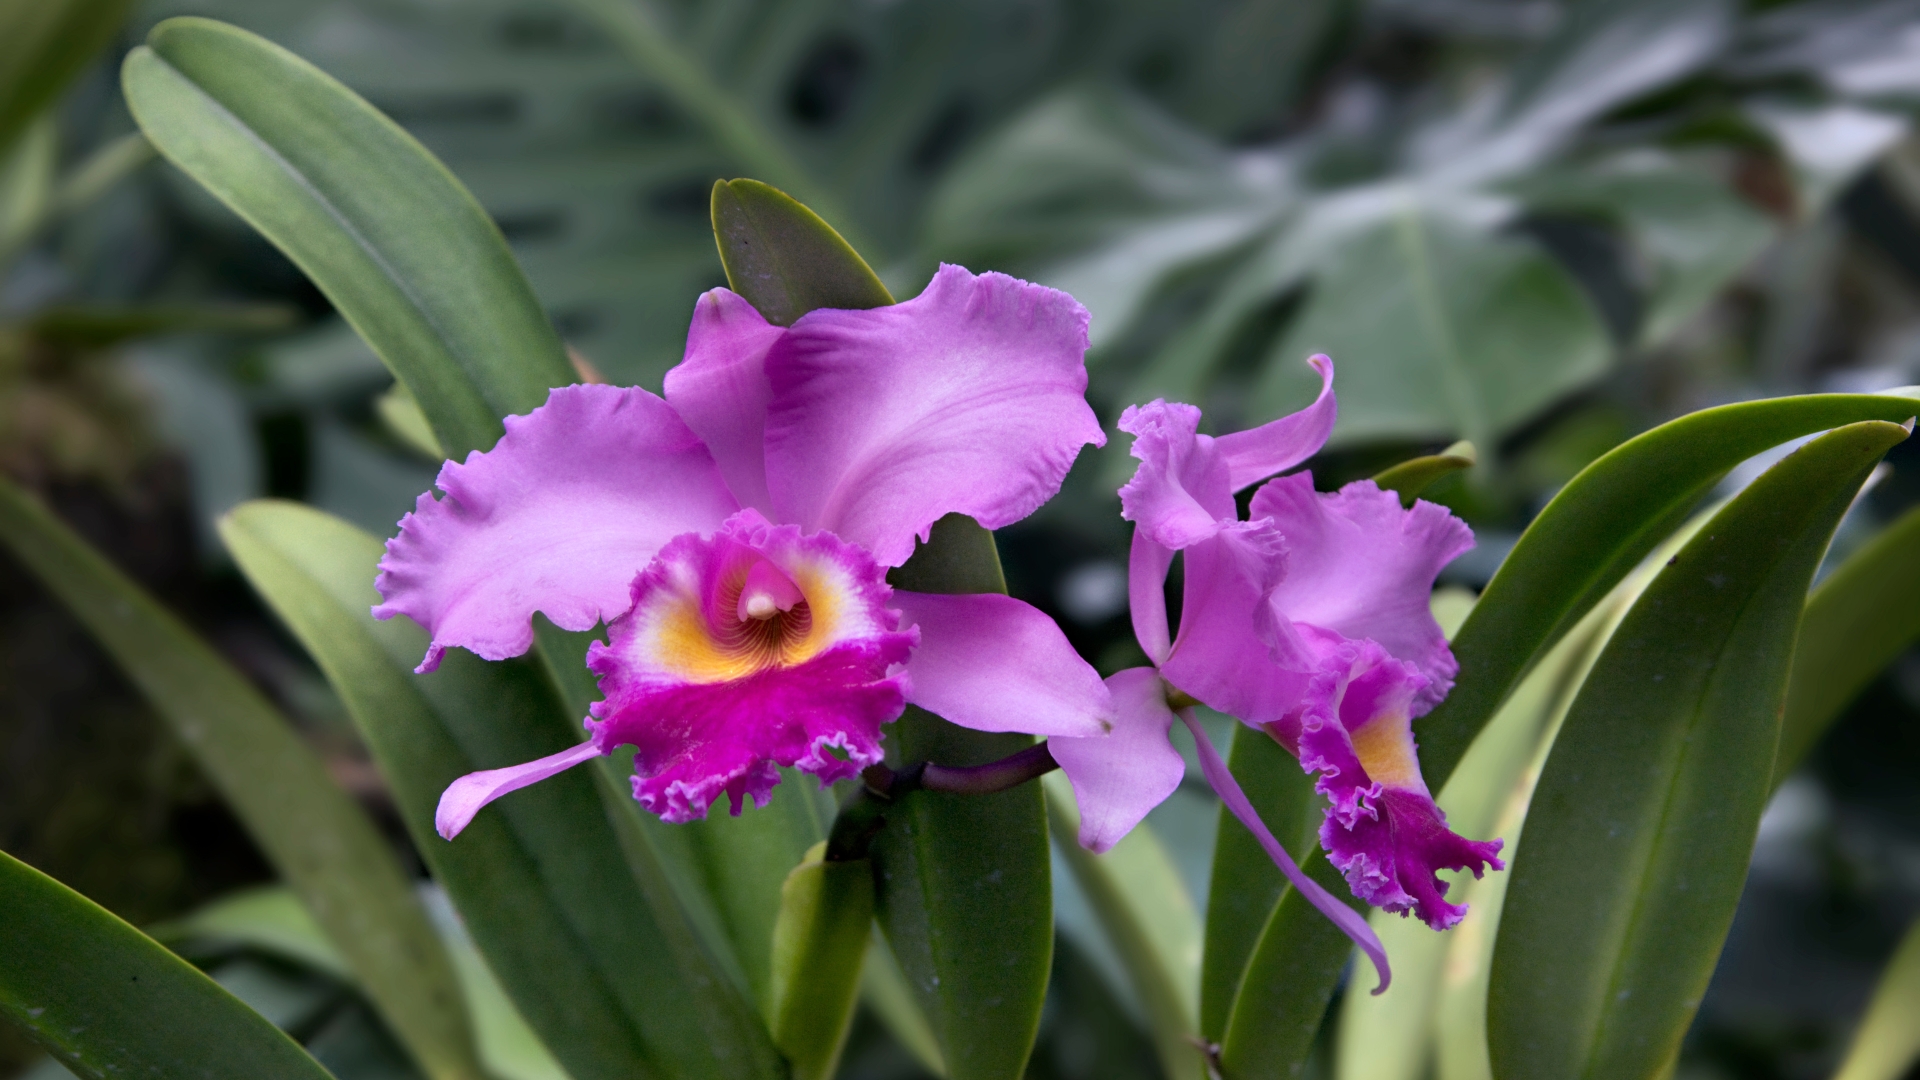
{"points": [[1384, 745], [687, 645]]}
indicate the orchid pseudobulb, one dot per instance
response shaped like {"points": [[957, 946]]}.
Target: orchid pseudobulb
{"points": [[735, 537], [1308, 621]]}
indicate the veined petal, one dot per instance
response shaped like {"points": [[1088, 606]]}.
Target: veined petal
{"points": [[1258, 453], [714, 701], [969, 398], [1233, 652], [1147, 566], [1120, 776], [1383, 830], [993, 663], [466, 796], [1179, 495], [556, 518], [720, 389], [1363, 567]]}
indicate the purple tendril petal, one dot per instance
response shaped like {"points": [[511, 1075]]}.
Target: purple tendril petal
{"points": [[1350, 922], [465, 796]]}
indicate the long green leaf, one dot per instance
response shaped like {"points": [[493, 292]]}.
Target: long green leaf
{"points": [[108, 1001], [961, 882], [1595, 530], [43, 45], [1888, 1042], [539, 877], [819, 941], [1640, 831], [1143, 906], [402, 250], [1859, 619], [316, 836]]}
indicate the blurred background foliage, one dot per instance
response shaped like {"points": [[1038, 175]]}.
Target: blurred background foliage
{"points": [[1542, 226]]}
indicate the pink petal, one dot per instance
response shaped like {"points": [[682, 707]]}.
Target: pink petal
{"points": [[1258, 453], [992, 663], [720, 389], [1233, 653], [1349, 921], [465, 796], [1118, 777], [1362, 567], [1147, 566], [556, 518], [969, 398], [1383, 830], [1179, 495], [714, 702]]}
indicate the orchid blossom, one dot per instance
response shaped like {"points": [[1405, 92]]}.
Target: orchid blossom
{"points": [[1310, 622], [735, 538]]}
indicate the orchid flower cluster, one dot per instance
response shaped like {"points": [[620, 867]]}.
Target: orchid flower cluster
{"points": [[735, 537]]}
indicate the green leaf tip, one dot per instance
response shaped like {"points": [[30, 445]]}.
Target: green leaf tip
{"points": [[783, 258], [1415, 475]]}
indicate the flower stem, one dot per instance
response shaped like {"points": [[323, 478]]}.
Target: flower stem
{"points": [[863, 814]]}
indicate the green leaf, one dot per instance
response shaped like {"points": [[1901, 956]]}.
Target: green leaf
{"points": [[1857, 621], [965, 899], [1640, 831], [1437, 330], [109, 1001], [392, 239], [1415, 475], [884, 989], [1888, 1042], [783, 258], [597, 961], [1594, 531], [270, 920], [1143, 906], [319, 839], [819, 941], [43, 46], [961, 882]]}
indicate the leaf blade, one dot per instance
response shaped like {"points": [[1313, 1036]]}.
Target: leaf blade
{"points": [[108, 1000], [315, 835], [1595, 530], [1652, 794], [402, 250]]}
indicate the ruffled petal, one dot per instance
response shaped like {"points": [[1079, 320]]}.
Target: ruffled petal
{"points": [[1179, 495], [465, 796], [1118, 777], [1232, 652], [556, 518], [714, 702], [1363, 568], [1147, 566], [993, 663], [720, 389], [1383, 830], [969, 398], [1258, 453]]}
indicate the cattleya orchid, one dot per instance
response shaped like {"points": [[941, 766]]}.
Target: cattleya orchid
{"points": [[735, 538], [1310, 622]]}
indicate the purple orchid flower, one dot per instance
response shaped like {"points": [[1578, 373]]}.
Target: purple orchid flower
{"points": [[1309, 621], [735, 537]]}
